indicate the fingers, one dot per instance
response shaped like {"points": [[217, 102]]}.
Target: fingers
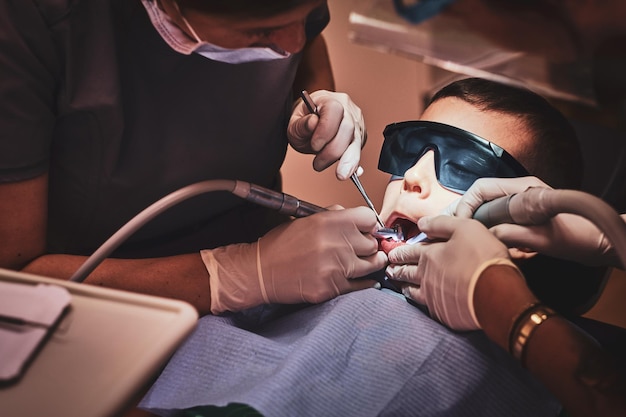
{"points": [[362, 217], [300, 130], [364, 245], [405, 254], [349, 161], [487, 189], [407, 275], [338, 134], [403, 272], [439, 227], [358, 222], [407, 278], [517, 236], [481, 191], [368, 264], [332, 115], [414, 293], [351, 227], [335, 207]]}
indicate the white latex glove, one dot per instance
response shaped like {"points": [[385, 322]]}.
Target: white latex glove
{"points": [[442, 274], [565, 236], [337, 134], [487, 189], [309, 260]]}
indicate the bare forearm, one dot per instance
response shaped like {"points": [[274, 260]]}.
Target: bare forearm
{"points": [[563, 358], [315, 71], [182, 277]]}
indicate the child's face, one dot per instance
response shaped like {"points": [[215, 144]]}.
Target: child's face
{"points": [[419, 193]]}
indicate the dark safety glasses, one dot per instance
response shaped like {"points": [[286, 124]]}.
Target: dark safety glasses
{"points": [[461, 157]]}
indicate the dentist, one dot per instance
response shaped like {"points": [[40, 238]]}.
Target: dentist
{"points": [[109, 105]]}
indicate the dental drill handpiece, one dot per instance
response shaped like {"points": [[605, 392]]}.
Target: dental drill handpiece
{"points": [[283, 203], [290, 205]]}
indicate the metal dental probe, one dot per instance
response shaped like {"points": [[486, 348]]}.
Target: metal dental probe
{"points": [[310, 105], [357, 182]]}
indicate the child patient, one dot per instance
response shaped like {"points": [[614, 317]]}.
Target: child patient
{"points": [[476, 128], [368, 353], [472, 128]]}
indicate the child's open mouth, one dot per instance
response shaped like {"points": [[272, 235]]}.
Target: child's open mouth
{"points": [[408, 230]]}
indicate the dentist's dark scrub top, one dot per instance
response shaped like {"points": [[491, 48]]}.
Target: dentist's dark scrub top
{"points": [[90, 92]]}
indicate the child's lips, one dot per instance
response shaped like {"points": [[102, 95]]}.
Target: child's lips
{"points": [[386, 245], [410, 232]]}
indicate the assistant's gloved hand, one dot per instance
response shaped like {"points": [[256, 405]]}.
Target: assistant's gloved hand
{"points": [[310, 260], [337, 134], [487, 189], [565, 236], [442, 274]]}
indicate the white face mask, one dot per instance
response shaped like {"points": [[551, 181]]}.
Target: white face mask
{"points": [[180, 42], [238, 56]]}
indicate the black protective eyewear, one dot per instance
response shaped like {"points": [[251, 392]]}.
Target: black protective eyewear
{"points": [[461, 157]]}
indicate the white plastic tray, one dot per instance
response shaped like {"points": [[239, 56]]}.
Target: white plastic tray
{"points": [[106, 349]]}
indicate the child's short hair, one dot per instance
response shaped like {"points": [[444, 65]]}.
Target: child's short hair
{"points": [[555, 155]]}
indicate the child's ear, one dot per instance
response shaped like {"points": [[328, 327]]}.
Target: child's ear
{"points": [[518, 254]]}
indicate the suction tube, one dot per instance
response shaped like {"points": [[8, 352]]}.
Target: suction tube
{"points": [[532, 207], [281, 202], [537, 205]]}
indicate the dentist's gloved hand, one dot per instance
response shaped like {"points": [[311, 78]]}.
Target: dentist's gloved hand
{"points": [[337, 134], [565, 236], [308, 260], [442, 274]]}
